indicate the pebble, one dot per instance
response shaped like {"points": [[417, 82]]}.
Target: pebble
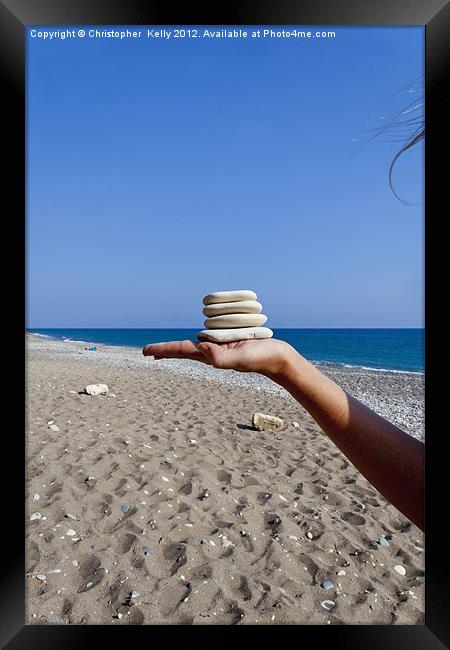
{"points": [[89, 584], [341, 573], [41, 576], [55, 571], [327, 585], [96, 389], [400, 569], [264, 422], [125, 507], [328, 604], [309, 535], [35, 515], [71, 532], [70, 516], [135, 594], [383, 541], [296, 425], [36, 497], [53, 427]]}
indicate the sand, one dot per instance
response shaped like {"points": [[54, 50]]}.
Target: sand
{"points": [[159, 504]]}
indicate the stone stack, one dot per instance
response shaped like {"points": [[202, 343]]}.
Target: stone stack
{"points": [[233, 316]]}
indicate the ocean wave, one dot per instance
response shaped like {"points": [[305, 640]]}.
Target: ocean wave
{"points": [[44, 336], [358, 367]]}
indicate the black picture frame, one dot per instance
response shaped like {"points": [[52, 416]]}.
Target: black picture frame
{"points": [[15, 17]]}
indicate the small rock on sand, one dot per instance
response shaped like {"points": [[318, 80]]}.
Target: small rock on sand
{"points": [[96, 389], [400, 569], [264, 422]]}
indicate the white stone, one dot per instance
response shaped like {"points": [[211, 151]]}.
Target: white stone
{"points": [[35, 515], [234, 321], [400, 569], [96, 389], [328, 604], [53, 427], [240, 307], [229, 296], [264, 422], [239, 334]]}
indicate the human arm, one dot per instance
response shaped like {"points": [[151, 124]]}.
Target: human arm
{"points": [[390, 459]]}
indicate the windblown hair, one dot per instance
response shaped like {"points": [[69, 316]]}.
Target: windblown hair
{"points": [[409, 124]]}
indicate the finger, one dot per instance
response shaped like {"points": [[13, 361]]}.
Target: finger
{"points": [[174, 350]]}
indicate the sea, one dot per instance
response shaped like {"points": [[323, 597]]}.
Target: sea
{"points": [[397, 350]]}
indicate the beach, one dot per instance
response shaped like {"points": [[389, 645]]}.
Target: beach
{"points": [[158, 503]]}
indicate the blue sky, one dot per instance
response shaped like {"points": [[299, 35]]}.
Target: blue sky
{"points": [[158, 171]]}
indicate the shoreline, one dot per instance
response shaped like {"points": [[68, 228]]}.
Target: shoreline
{"points": [[395, 395], [316, 362]]}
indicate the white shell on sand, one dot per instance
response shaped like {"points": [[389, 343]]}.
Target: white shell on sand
{"points": [[235, 320], [240, 334], [229, 296], [240, 307]]}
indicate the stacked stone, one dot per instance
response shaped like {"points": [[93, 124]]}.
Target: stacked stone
{"points": [[233, 316]]}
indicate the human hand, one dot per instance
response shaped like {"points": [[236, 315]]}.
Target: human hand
{"points": [[266, 356]]}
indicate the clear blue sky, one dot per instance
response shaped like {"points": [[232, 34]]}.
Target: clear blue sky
{"points": [[158, 171]]}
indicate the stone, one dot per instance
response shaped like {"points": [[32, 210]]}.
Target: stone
{"points": [[229, 296], [240, 307], [71, 532], [264, 422], [41, 576], [327, 585], [400, 569], [383, 541], [36, 497], [229, 335], [296, 425], [35, 515], [96, 389], [328, 604], [53, 427], [235, 320]]}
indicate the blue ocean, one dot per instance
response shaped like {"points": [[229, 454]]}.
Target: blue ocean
{"points": [[401, 350]]}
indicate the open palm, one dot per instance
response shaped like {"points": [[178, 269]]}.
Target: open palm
{"points": [[266, 356]]}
